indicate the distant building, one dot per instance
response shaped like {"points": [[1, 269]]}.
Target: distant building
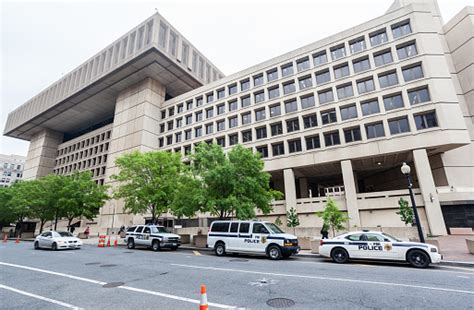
{"points": [[11, 169], [336, 117]]}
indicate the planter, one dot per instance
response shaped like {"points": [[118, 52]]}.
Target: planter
{"points": [[470, 245], [185, 238], [315, 245], [200, 241], [304, 243], [81, 235]]}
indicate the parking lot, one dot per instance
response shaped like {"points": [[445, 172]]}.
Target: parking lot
{"points": [[118, 278]]}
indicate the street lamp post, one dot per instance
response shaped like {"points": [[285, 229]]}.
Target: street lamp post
{"points": [[406, 171]]}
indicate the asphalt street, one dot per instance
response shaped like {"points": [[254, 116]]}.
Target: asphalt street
{"points": [[44, 279]]}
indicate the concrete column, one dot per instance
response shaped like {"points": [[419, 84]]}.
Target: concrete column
{"points": [[429, 194], [304, 187], [42, 154], [350, 193], [290, 189]]}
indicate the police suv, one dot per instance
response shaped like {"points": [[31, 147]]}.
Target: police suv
{"points": [[152, 236], [378, 246], [251, 237]]}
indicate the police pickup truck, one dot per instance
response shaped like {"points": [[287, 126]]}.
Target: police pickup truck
{"points": [[152, 236], [375, 245], [251, 237]]}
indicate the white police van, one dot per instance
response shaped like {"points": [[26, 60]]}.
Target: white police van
{"points": [[375, 245], [251, 237]]}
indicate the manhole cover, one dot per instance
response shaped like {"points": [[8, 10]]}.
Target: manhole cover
{"points": [[239, 260], [108, 265], [128, 252], [280, 302], [94, 263], [113, 284]]}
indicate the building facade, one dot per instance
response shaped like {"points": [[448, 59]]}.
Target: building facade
{"points": [[11, 169], [334, 118]]}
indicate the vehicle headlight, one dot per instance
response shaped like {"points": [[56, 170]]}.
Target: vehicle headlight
{"points": [[434, 250]]}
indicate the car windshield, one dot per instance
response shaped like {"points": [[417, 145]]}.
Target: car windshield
{"points": [[155, 229], [274, 229], [391, 237], [65, 234]]}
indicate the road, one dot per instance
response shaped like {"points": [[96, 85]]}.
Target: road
{"points": [[44, 279]]}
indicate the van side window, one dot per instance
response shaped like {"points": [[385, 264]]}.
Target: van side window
{"points": [[146, 230], [234, 227], [220, 227], [259, 229], [139, 230], [244, 228], [131, 229]]}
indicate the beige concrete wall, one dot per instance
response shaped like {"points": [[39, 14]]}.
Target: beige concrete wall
{"points": [[42, 153]]}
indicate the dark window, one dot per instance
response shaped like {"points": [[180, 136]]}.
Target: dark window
{"points": [[332, 138], [383, 58], [338, 52], [272, 75], [171, 111], [275, 110], [209, 129], [365, 86], [261, 132], [278, 149], [259, 229], [310, 121], [401, 29], [328, 117], [348, 112], [169, 140], [244, 85], [294, 146], [178, 137], [341, 71], [233, 105], [370, 107], [325, 96], [289, 87], [361, 64], [232, 89], [246, 118], [220, 125], [374, 130], [198, 116], [258, 80], [388, 79], [393, 102], [198, 132], [302, 64], [220, 141], [292, 125], [221, 93], [398, 125], [357, 45], [291, 106], [406, 50], [323, 77], [180, 108], [419, 95], [161, 142], [170, 125], [312, 142], [233, 122], [163, 114], [273, 92], [234, 227], [320, 58], [233, 139], [244, 228], [260, 114], [378, 37], [277, 129], [139, 229], [198, 101], [412, 73], [189, 105], [220, 109], [209, 113], [210, 97], [426, 120], [352, 134], [130, 229], [259, 96], [263, 150], [287, 69], [305, 82], [187, 134], [344, 91], [245, 101], [307, 102], [220, 227], [246, 136]]}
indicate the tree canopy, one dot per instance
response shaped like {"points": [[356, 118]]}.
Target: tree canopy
{"points": [[333, 217]]}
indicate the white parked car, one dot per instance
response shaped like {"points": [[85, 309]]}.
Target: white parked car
{"points": [[375, 245], [57, 240]]}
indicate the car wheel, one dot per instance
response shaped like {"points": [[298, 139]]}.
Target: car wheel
{"points": [[155, 245], [54, 246], [274, 252], [418, 258], [130, 243], [339, 255], [220, 249], [36, 245]]}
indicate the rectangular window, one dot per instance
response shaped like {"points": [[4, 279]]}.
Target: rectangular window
{"points": [[177, 137], [161, 142], [401, 29], [332, 138], [162, 35], [302, 64], [275, 110], [220, 93], [247, 136], [310, 121], [232, 89], [287, 70], [313, 142], [361, 64], [305, 82], [272, 75], [201, 67], [294, 146], [195, 62], [199, 102], [233, 139], [220, 109], [406, 50], [383, 58], [348, 112], [233, 105], [370, 107], [197, 132], [388, 79], [246, 118], [328, 116], [233, 122], [392, 102], [426, 120], [198, 116], [187, 135], [263, 150], [378, 37], [180, 108], [245, 85], [258, 80], [170, 125], [210, 97], [210, 113], [171, 111], [209, 129], [220, 141], [412, 73], [291, 106], [352, 134], [245, 101], [273, 92], [338, 52], [220, 125], [259, 96], [172, 49], [357, 45], [341, 71], [365, 86], [320, 58], [261, 132], [323, 77], [189, 105], [292, 125], [419, 95], [260, 114], [185, 54], [276, 129], [278, 149], [374, 130], [307, 102], [189, 119], [399, 125], [344, 91], [289, 88], [325, 96]]}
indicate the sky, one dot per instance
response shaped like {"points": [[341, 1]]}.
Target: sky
{"points": [[43, 40]]}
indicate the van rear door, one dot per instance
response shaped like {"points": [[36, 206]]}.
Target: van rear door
{"points": [[244, 233], [232, 241]]}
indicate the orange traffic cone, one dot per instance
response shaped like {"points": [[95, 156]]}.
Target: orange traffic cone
{"points": [[17, 239], [108, 242], [203, 304], [5, 238], [115, 243]]}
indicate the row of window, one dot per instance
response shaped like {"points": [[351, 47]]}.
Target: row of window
{"points": [[79, 155], [85, 143], [11, 166], [84, 165]]}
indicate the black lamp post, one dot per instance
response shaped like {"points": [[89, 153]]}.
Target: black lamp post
{"points": [[406, 171]]}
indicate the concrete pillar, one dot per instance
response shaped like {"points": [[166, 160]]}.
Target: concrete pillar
{"points": [[42, 154], [290, 189], [429, 194], [350, 193], [304, 189]]}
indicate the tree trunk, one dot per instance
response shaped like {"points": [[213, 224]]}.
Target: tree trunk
{"points": [[42, 225], [69, 224], [56, 219], [333, 232]]}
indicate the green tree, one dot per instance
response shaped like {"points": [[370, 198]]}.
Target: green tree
{"points": [[41, 198], [20, 202], [225, 184], [333, 217], [7, 214], [278, 221], [148, 181], [292, 219], [405, 212]]}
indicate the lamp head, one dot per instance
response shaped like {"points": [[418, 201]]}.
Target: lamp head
{"points": [[405, 169]]}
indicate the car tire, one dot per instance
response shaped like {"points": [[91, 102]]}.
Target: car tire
{"points": [[54, 247], [274, 252], [36, 245], [155, 245], [219, 249], [418, 258], [130, 243], [339, 255]]}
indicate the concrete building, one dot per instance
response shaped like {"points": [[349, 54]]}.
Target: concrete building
{"points": [[334, 118], [11, 169]]}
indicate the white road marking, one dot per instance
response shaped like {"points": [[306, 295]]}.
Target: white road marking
{"points": [[194, 301], [327, 278], [464, 277], [53, 301]]}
